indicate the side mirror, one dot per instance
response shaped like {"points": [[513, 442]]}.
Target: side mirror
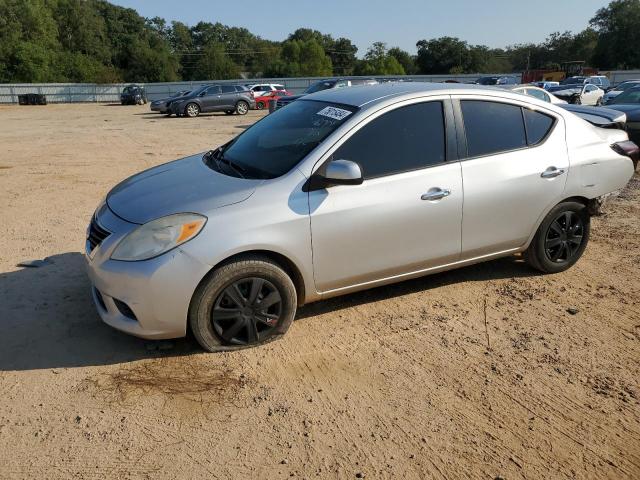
{"points": [[336, 172], [202, 94]]}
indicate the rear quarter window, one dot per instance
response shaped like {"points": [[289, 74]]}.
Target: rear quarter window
{"points": [[538, 126], [492, 127]]}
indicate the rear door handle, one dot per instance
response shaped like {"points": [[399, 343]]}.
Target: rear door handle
{"points": [[435, 194], [552, 172]]}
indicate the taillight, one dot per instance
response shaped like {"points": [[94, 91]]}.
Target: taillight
{"points": [[628, 149]]}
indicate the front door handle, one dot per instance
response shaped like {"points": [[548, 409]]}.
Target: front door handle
{"points": [[435, 194], [552, 172]]}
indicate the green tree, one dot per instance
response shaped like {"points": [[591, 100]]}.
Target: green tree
{"points": [[405, 59], [618, 28], [215, 64], [377, 61]]}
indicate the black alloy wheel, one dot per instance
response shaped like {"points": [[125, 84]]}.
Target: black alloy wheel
{"points": [[247, 311], [564, 237]]}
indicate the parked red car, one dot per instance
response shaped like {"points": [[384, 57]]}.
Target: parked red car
{"points": [[263, 100]]}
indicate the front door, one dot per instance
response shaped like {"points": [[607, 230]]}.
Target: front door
{"points": [[590, 95], [211, 99], [515, 170], [407, 214]]}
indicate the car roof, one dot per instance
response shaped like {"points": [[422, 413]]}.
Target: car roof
{"points": [[370, 94]]}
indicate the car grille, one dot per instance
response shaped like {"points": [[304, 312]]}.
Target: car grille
{"points": [[97, 234]]}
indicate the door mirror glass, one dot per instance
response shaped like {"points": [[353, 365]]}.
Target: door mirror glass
{"points": [[337, 172]]}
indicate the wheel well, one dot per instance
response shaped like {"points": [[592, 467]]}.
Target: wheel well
{"points": [[283, 262], [583, 200], [593, 205]]}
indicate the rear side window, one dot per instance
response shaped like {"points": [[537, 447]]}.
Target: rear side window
{"points": [[492, 127], [407, 138], [228, 89], [538, 125]]}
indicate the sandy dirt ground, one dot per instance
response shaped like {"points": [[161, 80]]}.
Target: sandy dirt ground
{"points": [[487, 372]]}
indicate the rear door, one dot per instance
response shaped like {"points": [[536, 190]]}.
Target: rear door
{"points": [[515, 170], [229, 97]]}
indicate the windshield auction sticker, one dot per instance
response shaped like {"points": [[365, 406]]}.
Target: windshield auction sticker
{"points": [[335, 113]]}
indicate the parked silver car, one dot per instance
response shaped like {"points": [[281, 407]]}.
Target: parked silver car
{"points": [[345, 190]]}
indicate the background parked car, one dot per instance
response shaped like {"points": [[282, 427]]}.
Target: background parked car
{"points": [[579, 94], [618, 89], [262, 88], [326, 85], [546, 84], [163, 105], [536, 92], [598, 116], [214, 98], [133, 95], [629, 103], [598, 80], [263, 100], [496, 80]]}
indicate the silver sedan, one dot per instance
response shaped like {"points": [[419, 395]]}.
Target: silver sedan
{"points": [[346, 190]]}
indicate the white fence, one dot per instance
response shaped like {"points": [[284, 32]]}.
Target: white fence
{"points": [[90, 92]]}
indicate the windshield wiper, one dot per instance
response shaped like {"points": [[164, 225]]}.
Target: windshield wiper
{"points": [[218, 156]]}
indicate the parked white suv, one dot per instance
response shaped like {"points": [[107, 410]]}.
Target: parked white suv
{"points": [[262, 88], [599, 80]]}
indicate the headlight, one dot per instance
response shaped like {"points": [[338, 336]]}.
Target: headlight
{"points": [[159, 236]]}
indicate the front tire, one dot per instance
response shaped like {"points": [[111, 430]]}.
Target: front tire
{"points": [[192, 110], [242, 107], [242, 304], [260, 106], [561, 238]]}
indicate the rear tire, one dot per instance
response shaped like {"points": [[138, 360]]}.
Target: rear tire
{"points": [[228, 311], [192, 110], [260, 106], [242, 107], [561, 238]]}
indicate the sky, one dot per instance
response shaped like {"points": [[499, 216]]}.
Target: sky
{"points": [[495, 23]]}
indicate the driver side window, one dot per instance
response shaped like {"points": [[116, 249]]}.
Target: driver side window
{"points": [[407, 138]]}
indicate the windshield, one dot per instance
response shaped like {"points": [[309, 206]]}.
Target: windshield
{"points": [[630, 96], [130, 90], [318, 87], [275, 144], [625, 86]]}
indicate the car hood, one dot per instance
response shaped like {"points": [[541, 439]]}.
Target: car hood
{"points": [[186, 185], [631, 109], [565, 91]]}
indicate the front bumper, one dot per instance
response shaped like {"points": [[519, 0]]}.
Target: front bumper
{"points": [[155, 293], [162, 108]]}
